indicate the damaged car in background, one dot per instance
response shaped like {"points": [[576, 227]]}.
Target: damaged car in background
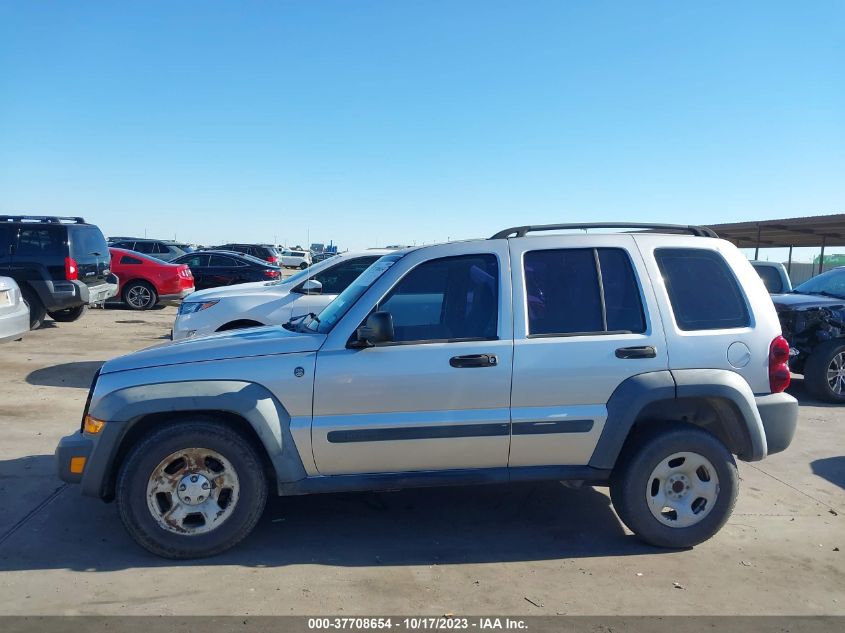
{"points": [[813, 320]]}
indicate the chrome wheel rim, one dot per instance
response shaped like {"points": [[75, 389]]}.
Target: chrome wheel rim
{"points": [[192, 491], [836, 374], [682, 489], [139, 296]]}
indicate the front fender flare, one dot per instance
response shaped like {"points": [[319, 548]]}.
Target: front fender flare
{"points": [[124, 409]]}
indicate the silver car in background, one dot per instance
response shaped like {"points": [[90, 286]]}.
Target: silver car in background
{"points": [[14, 314]]}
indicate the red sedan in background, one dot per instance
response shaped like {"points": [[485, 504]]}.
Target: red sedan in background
{"points": [[146, 281]]}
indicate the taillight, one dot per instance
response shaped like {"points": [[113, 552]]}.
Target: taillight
{"points": [[273, 274], [273, 259], [779, 365], [71, 269]]}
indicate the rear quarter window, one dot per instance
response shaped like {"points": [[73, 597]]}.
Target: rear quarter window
{"points": [[702, 289]]}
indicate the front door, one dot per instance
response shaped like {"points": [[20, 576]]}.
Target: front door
{"points": [[438, 396]]}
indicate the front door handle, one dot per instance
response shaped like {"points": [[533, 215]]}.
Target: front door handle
{"points": [[474, 360], [645, 351]]}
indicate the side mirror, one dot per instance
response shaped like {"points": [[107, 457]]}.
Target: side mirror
{"points": [[312, 287], [377, 329]]}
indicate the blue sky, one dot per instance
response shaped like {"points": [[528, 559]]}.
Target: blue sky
{"points": [[398, 122]]}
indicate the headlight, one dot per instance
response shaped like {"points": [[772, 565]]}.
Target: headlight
{"points": [[189, 307]]}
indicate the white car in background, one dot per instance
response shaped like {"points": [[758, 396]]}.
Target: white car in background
{"points": [[14, 313], [294, 259], [270, 303]]}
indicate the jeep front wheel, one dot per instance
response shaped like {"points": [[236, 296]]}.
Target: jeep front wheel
{"points": [[675, 485], [191, 489]]}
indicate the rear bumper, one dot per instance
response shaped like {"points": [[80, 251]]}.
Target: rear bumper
{"points": [[61, 295], [14, 325], [779, 414], [175, 298]]}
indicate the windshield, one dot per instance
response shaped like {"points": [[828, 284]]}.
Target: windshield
{"points": [[334, 312], [832, 283]]}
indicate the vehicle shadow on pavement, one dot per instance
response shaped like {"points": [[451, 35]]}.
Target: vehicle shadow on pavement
{"points": [[804, 397], [445, 526], [830, 468], [76, 375]]}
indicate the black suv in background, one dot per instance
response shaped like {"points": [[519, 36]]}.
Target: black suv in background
{"points": [[60, 263], [267, 252]]}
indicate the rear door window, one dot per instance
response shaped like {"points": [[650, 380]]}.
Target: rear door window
{"points": [[582, 291], [702, 288], [221, 261], [147, 248], [41, 241]]}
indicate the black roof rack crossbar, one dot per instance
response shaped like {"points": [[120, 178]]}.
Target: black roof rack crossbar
{"points": [[522, 231], [46, 219]]}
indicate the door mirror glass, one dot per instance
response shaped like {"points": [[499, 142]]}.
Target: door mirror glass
{"points": [[377, 329], [311, 287]]}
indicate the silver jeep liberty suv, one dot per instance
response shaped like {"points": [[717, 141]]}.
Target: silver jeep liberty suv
{"points": [[644, 359]]}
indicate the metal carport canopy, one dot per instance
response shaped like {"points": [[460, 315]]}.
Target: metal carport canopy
{"points": [[816, 230]]}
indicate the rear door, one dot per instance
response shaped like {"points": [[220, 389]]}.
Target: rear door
{"points": [[222, 271], [38, 253], [583, 323]]}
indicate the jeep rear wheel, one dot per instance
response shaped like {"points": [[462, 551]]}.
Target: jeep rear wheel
{"points": [[824, 372], [675, 485], [191, 489]]}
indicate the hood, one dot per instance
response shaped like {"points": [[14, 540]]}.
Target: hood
{"points": [[263, 341], [800, 301], [254, 288]]}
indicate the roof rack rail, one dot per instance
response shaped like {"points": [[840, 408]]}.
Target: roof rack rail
{"points": [[521, 231], [45, 219]]}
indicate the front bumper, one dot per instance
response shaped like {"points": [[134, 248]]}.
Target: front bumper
{"points": [[70, 446], [779, 414]]}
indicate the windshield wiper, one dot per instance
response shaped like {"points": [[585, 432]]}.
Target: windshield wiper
{"points": [[294, 323]]}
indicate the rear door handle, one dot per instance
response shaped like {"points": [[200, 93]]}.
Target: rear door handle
{"points": [[474, 360], [645, 351]]}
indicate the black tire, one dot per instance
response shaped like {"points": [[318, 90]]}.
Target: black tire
{"points": [[629, 484], [816, 367], [37, 311], [139, 295], [144, 457], [69, 315], [303, 266]]}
